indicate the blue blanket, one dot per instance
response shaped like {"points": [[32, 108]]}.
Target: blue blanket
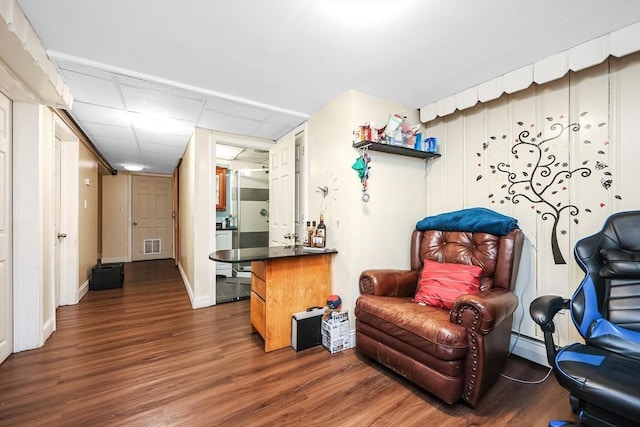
{"points": [[472, 219]]}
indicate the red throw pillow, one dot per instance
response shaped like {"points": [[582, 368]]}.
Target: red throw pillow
{"points": [[441, 282]]}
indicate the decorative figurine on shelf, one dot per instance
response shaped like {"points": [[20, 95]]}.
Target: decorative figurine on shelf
{"points": [[361, 166]]}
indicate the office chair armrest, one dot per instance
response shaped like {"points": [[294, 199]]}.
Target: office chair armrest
{"points": [[388, 283], [543, 309]]}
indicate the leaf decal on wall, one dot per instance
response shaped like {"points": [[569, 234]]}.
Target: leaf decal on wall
{"points": [[539, 135], [575, 220], [600, 152], [585, 162], [554, 192], [587, 210], [478, 154], [479, 177], [493, 137], [550, 118], [618, 197], [504, 136], [601, 124], [586, 141], [520, 123], [607, 173], [583, 114], [491, 195]]}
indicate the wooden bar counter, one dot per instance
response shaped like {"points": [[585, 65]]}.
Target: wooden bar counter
{"points": [[284, 280]]}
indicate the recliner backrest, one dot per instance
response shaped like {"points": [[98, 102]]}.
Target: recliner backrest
{"points": [[499, 256]]}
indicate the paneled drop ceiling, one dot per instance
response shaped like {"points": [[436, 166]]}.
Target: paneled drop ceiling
{"points": [[144, 73]]}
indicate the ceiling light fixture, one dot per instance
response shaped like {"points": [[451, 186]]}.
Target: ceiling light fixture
{"points": [[133, 168]]}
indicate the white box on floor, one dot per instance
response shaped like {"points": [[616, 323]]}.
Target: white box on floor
{"points": [[335, 330]]}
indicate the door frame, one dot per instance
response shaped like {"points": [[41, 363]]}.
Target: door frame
{"points": [[69, 205]]}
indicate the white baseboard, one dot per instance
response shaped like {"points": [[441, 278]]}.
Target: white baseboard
{"points": [[352, 338], [47, 329], [117, 259], [200, 302], [530, 349], [83, 290]]}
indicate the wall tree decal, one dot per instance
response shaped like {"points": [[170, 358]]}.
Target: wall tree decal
{"points": [[540, 178]]}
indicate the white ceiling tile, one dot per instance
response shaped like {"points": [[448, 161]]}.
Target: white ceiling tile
{"points": [[162, 138], [97, 130], [99, 114], [93, 90], [238, 109], [226, 123], [162, 105]]}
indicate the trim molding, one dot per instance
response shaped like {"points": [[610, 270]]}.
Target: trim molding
{"points": [[116, 259], [84, 288], [530, 349], [200, 302], [48, 328]]}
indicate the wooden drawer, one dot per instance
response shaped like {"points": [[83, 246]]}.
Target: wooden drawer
{"points": [[257, 313], [259, 268], [259, 286]]}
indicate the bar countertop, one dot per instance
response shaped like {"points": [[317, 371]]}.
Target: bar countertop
{"points": [[267, 253]]}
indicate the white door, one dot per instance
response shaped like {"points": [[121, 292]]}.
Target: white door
{"points": [[282, 192], [152, 210], [6, 294], [300, 147]]}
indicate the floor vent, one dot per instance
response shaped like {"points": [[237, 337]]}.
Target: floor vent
{"points": [[151, 246]]}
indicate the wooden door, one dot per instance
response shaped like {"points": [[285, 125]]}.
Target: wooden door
{"points": [[6, 282], [282, 192], [152, 222]]}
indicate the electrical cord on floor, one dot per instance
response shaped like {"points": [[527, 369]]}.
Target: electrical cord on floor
{"points": [[518, 380]]}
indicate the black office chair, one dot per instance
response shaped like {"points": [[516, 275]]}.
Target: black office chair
{"points": [[603, 374]]}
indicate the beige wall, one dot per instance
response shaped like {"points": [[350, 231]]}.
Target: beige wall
{"points": [[88, 214], [367, 235], [115, 218], [186, 190]]}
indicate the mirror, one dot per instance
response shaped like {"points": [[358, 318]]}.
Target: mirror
{"points": [[221, 188]]}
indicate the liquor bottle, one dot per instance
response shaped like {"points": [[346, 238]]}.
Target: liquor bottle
{"points": [[308, 234], [321, 233], [312, 234]]}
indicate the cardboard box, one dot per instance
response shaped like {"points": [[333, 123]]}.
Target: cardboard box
{"points": [[305, 328], [335, 330]]}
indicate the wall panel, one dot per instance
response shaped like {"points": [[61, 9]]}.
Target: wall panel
{"points": [[559, 157]]}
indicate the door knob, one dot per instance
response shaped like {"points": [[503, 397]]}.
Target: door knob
{"points": [[62, 235], [135, 223], [287, 236]]}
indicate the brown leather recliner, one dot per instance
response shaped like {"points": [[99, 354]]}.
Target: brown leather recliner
{"points": [[457, 353]]}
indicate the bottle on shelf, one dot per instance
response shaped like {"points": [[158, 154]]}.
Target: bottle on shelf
{"points": [[321, 233], [312, 234], [307, 235]]}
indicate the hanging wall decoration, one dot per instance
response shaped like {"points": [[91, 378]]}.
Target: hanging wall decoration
{"points": [[536, 174]]}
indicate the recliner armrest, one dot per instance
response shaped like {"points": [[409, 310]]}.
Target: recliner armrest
{"points": [[481, 311], [387, 282], [543, 309]]}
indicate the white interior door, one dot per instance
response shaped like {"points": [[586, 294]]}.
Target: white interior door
{"points": [[6, 282], [152, 225], [282, 192]]}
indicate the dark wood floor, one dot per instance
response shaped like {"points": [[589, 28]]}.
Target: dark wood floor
{"points": [[140, 356]]}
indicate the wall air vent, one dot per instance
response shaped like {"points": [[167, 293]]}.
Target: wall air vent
{"points": [[151, 246]]}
